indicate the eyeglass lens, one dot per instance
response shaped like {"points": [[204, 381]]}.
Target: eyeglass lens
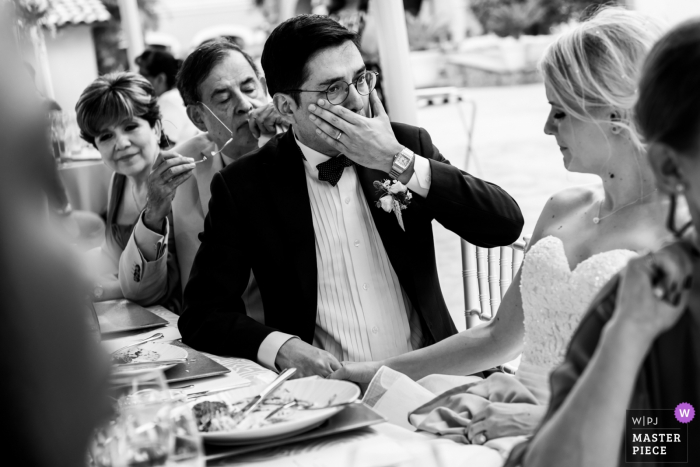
{"points": [[338, 92]]}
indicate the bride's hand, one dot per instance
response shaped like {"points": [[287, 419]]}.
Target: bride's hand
{"points": [[654, 290], [361, 372], [501, 419]]}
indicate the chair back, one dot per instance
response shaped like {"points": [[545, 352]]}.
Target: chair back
{"points": [[486, 275]]}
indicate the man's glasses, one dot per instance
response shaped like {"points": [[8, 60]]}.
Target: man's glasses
{"points": [[214, 153], [339, 91]]}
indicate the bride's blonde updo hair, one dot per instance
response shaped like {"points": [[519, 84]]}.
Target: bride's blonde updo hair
{"points": [[597, 64]]}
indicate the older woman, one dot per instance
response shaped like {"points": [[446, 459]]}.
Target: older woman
{"points": [[639, 345], [118, 113]]}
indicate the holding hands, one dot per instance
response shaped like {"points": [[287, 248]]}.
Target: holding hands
{"points": [[307, 359], [360, 372], [369, 142], [169, 171]]}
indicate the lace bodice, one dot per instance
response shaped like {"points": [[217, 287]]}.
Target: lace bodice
{"points": [[555, 299]]}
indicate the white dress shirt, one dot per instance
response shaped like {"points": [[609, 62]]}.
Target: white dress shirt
{"points": [[363, 312]]}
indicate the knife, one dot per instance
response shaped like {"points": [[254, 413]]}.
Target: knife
{"points": [[272, 387]]}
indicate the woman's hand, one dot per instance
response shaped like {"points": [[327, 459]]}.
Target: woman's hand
{"points": [[361, 372], [169, 171], [654, 290], [501, 419]]}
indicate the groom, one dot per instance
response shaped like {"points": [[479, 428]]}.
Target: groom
{"points": [[340, 279]]}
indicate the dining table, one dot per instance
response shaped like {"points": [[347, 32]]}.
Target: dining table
{"points": [[382, 444]]}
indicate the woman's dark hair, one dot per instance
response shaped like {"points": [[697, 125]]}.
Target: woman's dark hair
{"points": [[668, 109], [293, 44], [111, 99], [199, 64], [155, 62]]}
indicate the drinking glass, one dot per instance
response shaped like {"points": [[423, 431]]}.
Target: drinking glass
{"points": [[138, 434], [187, 449]]}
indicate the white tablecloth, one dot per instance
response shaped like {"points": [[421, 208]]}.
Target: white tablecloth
{"points": [[381, 445]]}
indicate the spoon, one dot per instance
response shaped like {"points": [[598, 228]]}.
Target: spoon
{"points": [[154, 337]]}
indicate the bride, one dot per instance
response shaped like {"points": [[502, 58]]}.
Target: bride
{"points": [[583, 236]]}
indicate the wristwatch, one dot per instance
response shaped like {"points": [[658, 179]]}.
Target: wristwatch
{"points": [[401, 162]]}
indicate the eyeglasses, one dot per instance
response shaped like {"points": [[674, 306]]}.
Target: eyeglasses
{"points": [[214, 153], [337, 92]]}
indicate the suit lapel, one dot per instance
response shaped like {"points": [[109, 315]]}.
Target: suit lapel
{"points": [[397, 243], [294, 211], [204, 172]]}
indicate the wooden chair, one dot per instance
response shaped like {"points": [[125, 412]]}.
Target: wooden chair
{"points": [[486, 275]]}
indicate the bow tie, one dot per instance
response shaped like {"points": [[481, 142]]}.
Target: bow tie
{"points": [[331, 170]]}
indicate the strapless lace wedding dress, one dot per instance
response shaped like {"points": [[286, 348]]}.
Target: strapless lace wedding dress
{"points": [[554, 301]]}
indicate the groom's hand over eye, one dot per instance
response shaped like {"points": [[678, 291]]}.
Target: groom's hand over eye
{"points": [[307, 359], [369, 142]]}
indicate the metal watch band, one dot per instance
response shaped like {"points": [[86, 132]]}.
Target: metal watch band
{"points": [[397, 170]]}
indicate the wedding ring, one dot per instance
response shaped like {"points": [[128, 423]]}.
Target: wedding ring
{"points": [[480, 438], [340, 133]]}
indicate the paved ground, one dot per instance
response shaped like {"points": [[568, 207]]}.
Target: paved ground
{"points": [[509, 149]]}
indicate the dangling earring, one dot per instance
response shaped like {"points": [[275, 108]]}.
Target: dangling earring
{"points": [[671, 220], [680, 188]]}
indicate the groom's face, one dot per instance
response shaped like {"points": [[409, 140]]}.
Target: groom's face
{"points": [[340, 63]]}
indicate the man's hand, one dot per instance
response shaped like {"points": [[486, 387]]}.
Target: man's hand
{"points": [[369, 142], [264, 121], [169, 171], [501, 419], [307, 359], [357, 372]]}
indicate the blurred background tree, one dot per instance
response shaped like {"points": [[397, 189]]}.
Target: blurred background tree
{"points": [[532, 17], [109, 41]]}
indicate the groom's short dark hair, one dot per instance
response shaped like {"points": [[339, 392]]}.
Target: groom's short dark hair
{"points": [[292, 44]]}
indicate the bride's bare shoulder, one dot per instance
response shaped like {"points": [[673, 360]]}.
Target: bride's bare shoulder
{"points": [[565, 203], [572, 198]]}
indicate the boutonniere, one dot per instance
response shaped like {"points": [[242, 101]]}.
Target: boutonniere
{"points": [[396, 198]]}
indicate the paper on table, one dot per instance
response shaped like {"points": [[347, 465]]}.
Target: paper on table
{"points": [[394, 395]]}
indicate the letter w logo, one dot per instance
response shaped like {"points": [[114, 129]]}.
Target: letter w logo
{"points": [[684, 412]]}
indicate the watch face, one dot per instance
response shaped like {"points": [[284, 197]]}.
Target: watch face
{"points": [[402, 161]]}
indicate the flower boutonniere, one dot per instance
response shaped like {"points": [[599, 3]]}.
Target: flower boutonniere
{"points": [[396, 198]]}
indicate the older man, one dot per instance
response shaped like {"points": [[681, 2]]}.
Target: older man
{"points": [[340, 278], [227, 98]]}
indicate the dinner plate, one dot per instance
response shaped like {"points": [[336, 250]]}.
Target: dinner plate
{"points": [[313, 390], [148, 355]]}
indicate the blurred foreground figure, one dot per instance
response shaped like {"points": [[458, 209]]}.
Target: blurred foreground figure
{"points": [[53, 373]]}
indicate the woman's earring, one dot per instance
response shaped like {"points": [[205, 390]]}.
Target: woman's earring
{"points": [[615, 129], [680, 188]]}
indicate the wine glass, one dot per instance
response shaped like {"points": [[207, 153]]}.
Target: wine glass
{"points": [[139, 432], [187, 449]]}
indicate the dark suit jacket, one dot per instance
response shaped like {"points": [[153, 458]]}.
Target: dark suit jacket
{"points": [[260, 218]]}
